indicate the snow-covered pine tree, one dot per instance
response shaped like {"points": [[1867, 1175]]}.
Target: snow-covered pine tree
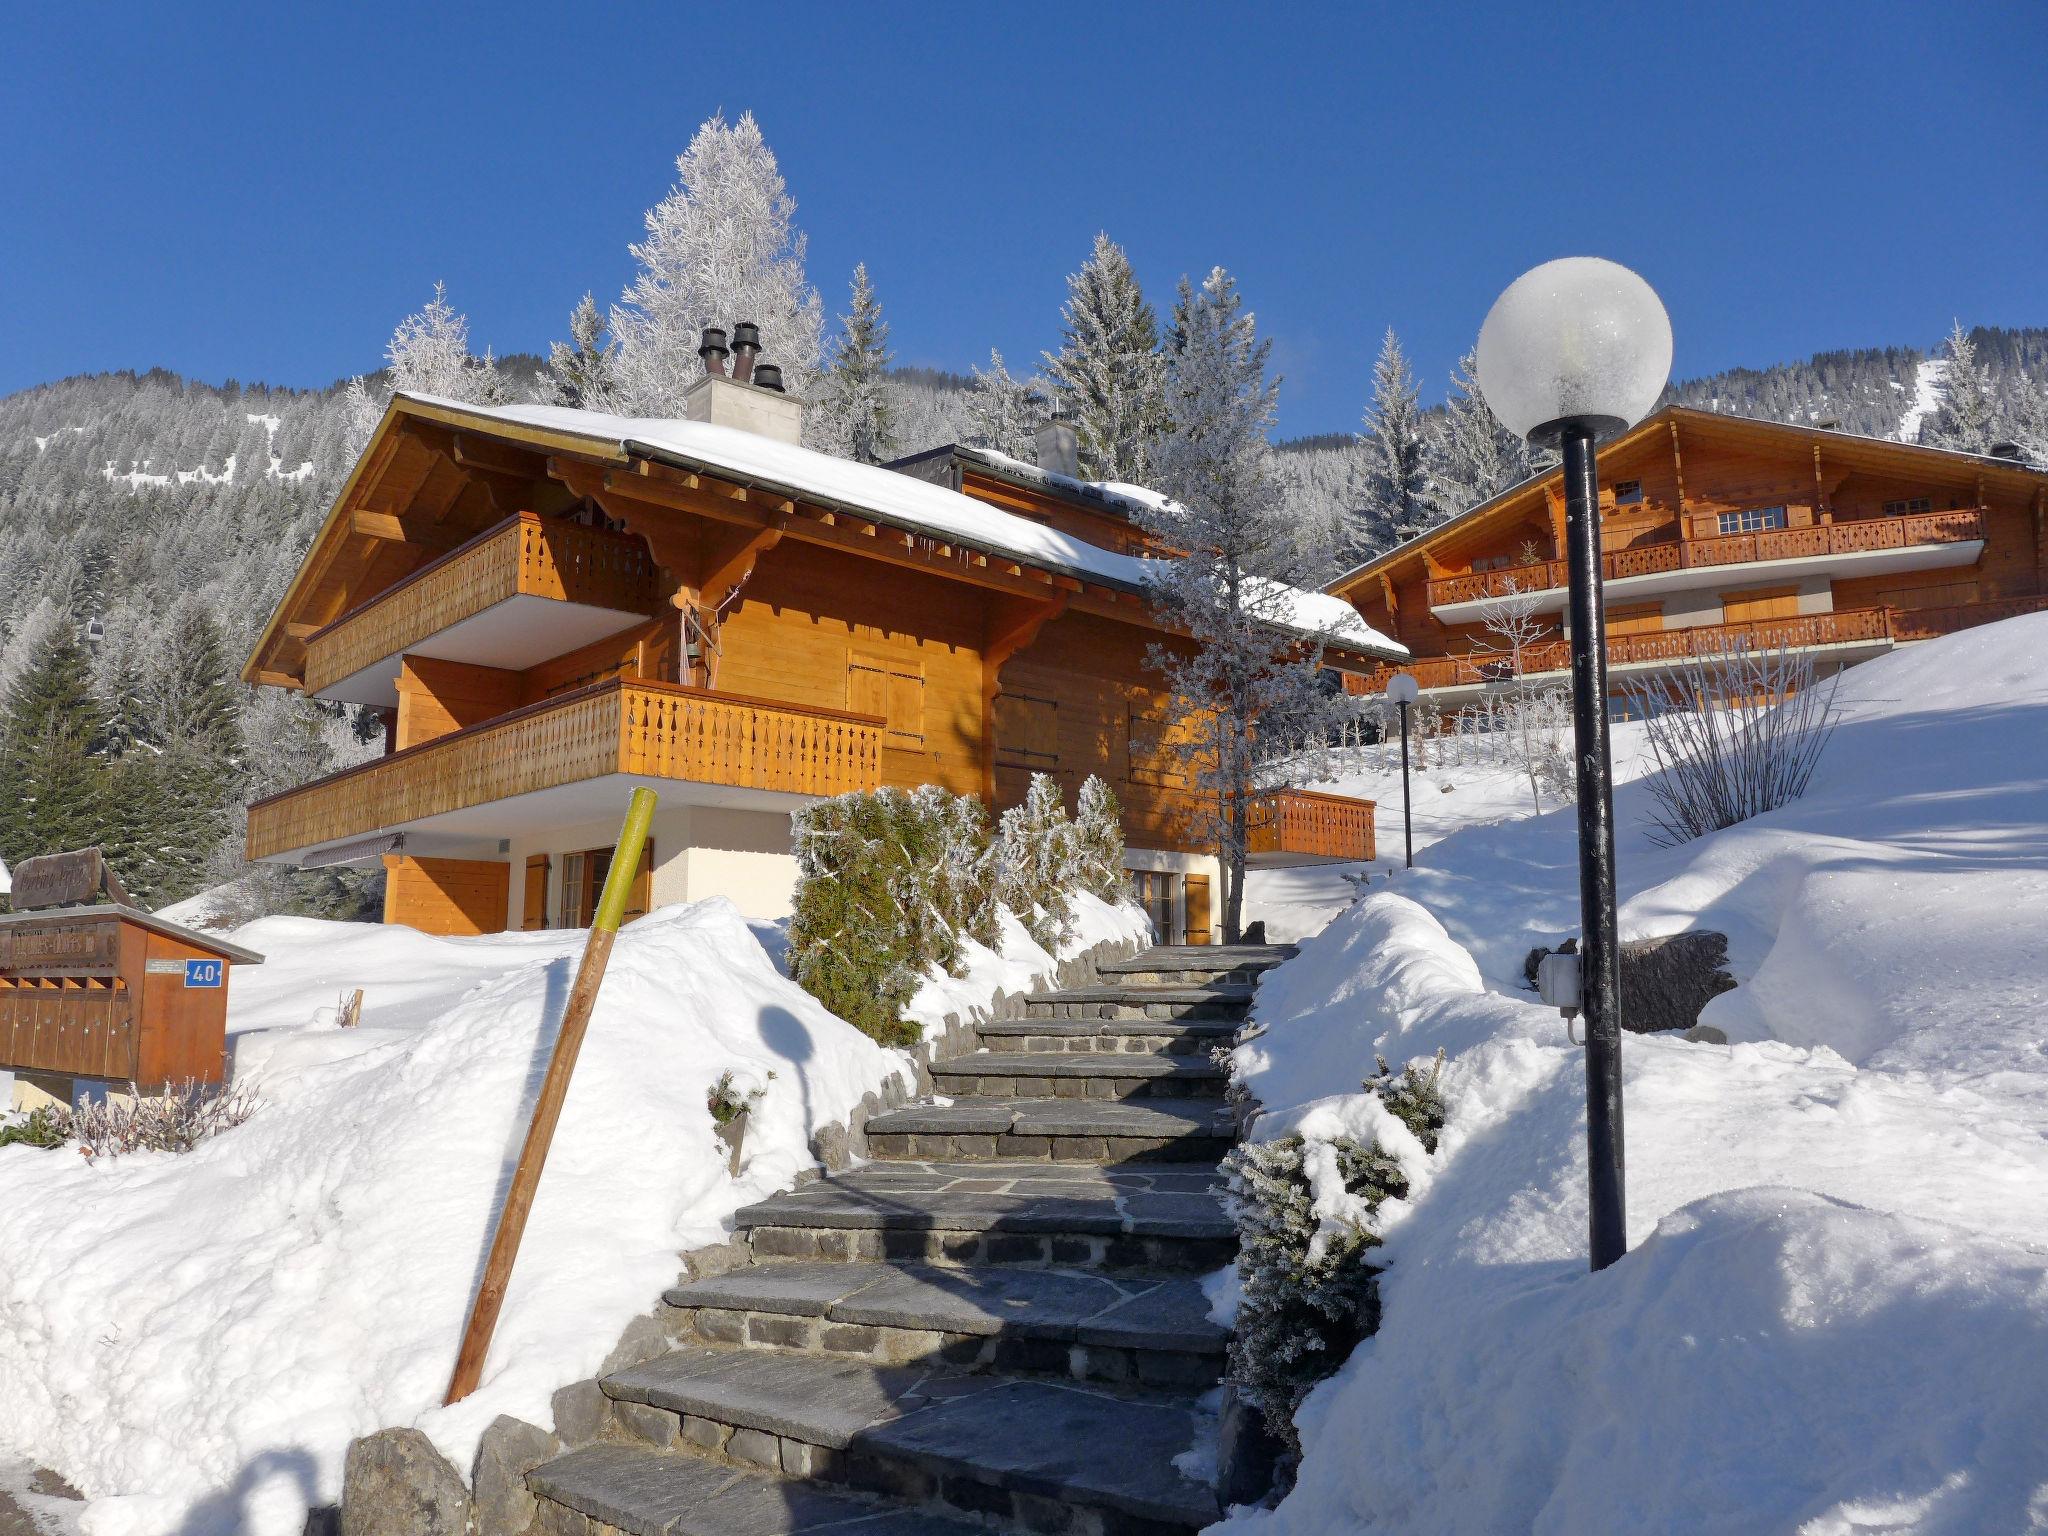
{"points": [[1967, 416], [1249, 688], [429, 355], [1108, 375], [1391, 506], [1038, 855], [722, 247], [1469, 456], [855, 416], [580, 372], [1099, 839], [1003, 411]]}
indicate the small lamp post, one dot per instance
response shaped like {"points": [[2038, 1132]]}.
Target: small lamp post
{"points": [[1403, 690], [1573, 348]]}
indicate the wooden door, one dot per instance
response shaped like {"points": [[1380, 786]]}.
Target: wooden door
{"points": [[1761, 603], [1195, 909], [1640, 619], [533, 911]]}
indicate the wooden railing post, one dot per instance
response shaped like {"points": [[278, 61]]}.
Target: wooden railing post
{"points": [[554, 1089]]}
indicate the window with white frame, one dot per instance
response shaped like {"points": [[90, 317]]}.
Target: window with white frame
{"points": [[1751, 520], [1909, 506]]}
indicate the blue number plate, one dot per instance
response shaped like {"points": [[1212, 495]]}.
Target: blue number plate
{"points": [[204, 973]]}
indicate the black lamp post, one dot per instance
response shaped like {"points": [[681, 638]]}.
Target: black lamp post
{"points": [[1573, 348], [1403, 690]]}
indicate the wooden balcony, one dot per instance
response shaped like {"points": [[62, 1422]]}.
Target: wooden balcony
{"points": [[642, 729], [1860, 536], [1304, 826], [526, 556], [1852, 626]]}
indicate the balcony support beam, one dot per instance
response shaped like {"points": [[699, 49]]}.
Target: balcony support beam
{"points": [[438, 538], [1012, 624]]}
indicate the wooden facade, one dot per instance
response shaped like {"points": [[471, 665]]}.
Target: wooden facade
{"points": [[761, 638], [1719, 532]]}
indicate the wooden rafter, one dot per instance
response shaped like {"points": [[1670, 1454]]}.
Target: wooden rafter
{"points": [[1011, 625]]}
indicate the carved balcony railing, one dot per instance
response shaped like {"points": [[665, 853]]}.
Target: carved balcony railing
{"points": [[526, 555], [1845, 538], [1308, 824], [650, 730]]}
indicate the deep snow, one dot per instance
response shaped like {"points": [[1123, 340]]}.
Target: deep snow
{"points": [[1838, 1296], [194, 1340]]}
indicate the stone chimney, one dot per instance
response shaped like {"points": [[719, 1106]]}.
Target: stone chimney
{"points": [[1059, 450], [751, 397]]}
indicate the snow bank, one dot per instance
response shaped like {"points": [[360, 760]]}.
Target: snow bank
{"points": [[1020, 963], [194, 1340], [1838, 1221]]}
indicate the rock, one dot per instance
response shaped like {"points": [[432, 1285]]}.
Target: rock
{"points": [[828, 1146], [579, 1410], [394, 1483], [1255, 933], [718, 1259], [1247, 1452], [509, 1450], [323, 1521], [643, 1339], [1665, 982]]}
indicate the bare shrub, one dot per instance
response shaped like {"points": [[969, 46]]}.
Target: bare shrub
{"points": [[1733, 735], [1533, 718], [176, 1120]]}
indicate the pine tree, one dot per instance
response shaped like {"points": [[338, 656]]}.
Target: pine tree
{"points": [[580, 372], [1099, 838], [1003, 412], [1038, 855], [856, 408], [1966, 418], [429, 355], [722, 247], [1249, 688], [1392, 509], [191, 694], [1470, 456], [56, 795], [1108, 375]]}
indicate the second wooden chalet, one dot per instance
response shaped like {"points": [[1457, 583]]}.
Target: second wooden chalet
{"points": [[549, 605], [1720, 533]]}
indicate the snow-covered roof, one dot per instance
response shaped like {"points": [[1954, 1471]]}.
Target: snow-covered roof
{"points": [[888, 497]]}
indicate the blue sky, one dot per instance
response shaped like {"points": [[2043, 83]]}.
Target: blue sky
{"points": [[262, 192]]}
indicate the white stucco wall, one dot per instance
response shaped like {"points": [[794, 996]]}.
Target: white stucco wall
{"points": [[699, 851]]}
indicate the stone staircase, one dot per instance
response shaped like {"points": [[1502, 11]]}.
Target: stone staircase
{"points": [[996, 1324]]}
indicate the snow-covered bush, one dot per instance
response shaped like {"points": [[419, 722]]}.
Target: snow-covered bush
{"points": [[1040, 852], [176, 1120], [1310, 1290], [44, 1127], [1099, 842], [1733, 735]]}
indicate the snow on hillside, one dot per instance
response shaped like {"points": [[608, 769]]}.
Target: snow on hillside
{"points": [[193, 1340], [1926, 399], [1839, 1285]]}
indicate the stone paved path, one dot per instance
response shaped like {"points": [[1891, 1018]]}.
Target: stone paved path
{"points": [[997, 1324]]}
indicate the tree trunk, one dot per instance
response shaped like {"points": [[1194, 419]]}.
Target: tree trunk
{"points": [[1234, 842]]}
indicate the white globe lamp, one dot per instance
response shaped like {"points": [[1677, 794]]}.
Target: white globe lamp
{"points": [[1578, 340]]}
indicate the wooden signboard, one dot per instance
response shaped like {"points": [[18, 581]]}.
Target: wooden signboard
{"points": [[65, 880]]}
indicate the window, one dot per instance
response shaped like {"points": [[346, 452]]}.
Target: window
{"points": [[1628, 493], [1155, 892], [583, 876], [1908, 506], [1751, 520]]}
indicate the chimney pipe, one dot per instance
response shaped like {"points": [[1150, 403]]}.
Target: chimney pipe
{"points": [[713, 351], [769, 376], [746, 345], [1059, 449]]}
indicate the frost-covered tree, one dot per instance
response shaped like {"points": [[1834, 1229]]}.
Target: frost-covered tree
{"points": [[580, 371], [722, 247], [1247, 690], [1099, 842], [1470, 457], [1966, 419], [429, 355], [56, 796], [1039, 857], [1391, 507], [1108, 374], [855, 414], [1004, 412]]}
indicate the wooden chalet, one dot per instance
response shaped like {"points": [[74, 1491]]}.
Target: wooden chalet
{"points": [[548, 606], [1720, 533]]}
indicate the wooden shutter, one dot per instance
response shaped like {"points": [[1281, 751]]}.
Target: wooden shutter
{"points": [[1642, 619], [534, 908], [1151, 760], [893, 689], [641, 897], [1195, 908], [1027, 732], [1766, 603]]}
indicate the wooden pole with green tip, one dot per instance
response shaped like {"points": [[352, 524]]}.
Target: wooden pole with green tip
{"points": [[554, 1088]]}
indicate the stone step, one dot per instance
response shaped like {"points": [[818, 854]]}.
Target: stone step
{"points": [[1156, 1216], [1077, 1075], [1144, 1329], [1228, 1001], [1196, 964], [1183, 1037], [1037, 1455], [1061, 1130], [647, 1493]]}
